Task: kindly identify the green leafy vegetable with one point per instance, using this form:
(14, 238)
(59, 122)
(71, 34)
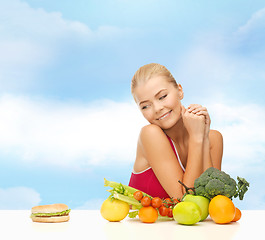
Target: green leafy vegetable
(214, 182)
(242, 187)
(123, 193)
(66, 212)
(129, 200)
(133, 214)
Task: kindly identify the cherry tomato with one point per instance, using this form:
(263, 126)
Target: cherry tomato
(170, 213)
(156, 202)
(138, 195)
(146, 201)
(167, 202)
(163, 211)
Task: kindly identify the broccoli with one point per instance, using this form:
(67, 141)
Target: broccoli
(214, 182)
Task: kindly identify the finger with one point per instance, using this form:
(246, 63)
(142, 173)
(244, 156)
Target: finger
(192, 107)
(198, 110)
(206, 115)
(202, 113)
(201, 109)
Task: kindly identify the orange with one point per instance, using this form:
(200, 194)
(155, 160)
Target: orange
(237, 216)
(148, 214)
(221, 209)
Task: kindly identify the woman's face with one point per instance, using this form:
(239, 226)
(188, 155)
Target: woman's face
(159, 101)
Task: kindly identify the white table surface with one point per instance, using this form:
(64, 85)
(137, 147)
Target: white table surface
(88, 224)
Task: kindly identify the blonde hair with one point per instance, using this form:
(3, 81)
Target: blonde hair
(144, 73)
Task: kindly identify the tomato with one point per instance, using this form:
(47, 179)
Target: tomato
(170, 202)
(146, 201)
(138, 195)
(156, 202)
(163, 211)
(167, 202)
(170, 213)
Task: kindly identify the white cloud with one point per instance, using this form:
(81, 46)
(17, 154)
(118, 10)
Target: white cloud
(16, 198)
(250, 37)
(78, 135)
(68, 134)
(31, 39)
(105, 132)
(220, 66)
(243, 130)
(256, 21)
(38, 24)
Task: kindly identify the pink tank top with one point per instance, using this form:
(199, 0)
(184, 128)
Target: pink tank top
(147, 181)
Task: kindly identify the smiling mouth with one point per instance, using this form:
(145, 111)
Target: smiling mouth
(165, 115)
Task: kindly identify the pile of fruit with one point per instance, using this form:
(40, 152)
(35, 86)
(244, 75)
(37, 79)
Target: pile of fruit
(208, 197)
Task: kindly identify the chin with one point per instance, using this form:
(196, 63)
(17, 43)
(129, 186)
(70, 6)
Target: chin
(166, 126)
(169, 124)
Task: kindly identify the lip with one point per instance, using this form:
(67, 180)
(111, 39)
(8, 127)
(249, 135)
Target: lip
(164, 115)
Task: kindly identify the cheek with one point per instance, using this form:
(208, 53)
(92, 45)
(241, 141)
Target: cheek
(172, 102)
(147, 114)
(175, 104)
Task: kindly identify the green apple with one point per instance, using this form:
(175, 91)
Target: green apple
(201, 201)
(187, 213)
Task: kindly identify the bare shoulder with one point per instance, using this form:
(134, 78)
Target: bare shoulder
(151, 129)
(151, 132)
(215, 137)
(151, 139)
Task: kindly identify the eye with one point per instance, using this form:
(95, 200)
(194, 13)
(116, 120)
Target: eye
(144, 107)
(164, 96)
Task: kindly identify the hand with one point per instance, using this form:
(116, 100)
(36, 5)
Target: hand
(194, 123)
(201, 111)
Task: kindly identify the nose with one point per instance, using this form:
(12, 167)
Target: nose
(158, 107)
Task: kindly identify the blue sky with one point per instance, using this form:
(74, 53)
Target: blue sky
(67, 117)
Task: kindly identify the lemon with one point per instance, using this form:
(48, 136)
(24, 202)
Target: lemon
(114, 210)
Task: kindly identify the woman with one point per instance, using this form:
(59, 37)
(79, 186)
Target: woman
(178, 143)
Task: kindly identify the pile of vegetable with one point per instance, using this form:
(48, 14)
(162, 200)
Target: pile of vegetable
(213, 190)
(148, 208)
(214, 182)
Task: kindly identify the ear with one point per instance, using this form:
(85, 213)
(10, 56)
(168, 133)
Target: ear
(181, 93)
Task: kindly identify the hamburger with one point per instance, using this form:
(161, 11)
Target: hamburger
(52, 213)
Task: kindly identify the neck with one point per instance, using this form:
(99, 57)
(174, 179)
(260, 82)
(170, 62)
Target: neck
(178, 132)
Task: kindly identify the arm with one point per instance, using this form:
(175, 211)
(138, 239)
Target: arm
(207, 158)
(216, 148)
(213, 140)
(195, 126)
(159, 154)
(194, 166)
(157, 151)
